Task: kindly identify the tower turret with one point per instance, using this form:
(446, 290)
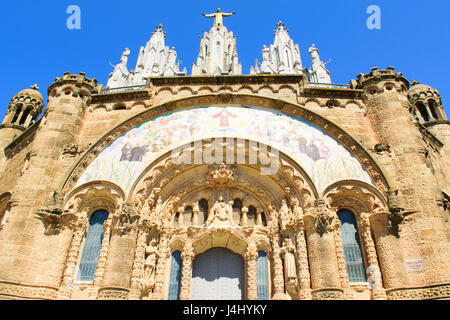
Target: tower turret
(426, 103)
(415, 192)
(23, 110)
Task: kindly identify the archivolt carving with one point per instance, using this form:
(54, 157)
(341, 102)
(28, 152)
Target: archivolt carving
(94, 196)
(355, 195)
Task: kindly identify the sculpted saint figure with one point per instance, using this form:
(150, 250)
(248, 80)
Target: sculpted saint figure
(148, 282)
(289, 261)
(285, 215)
(118, 77)
(296, 208)
(218, 17)
(150, 261)
(221, 212)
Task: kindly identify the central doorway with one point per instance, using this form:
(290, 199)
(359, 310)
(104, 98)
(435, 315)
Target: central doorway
(218, 274)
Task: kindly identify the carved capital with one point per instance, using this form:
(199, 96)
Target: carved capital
(325, 218)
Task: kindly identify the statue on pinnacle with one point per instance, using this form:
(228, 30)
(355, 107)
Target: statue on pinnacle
(218, 17)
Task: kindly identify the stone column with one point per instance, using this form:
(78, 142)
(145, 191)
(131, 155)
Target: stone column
(28, 120)
(244, 222)
(20, 116)
(259, 221)
(187, 257)
(195, 213)
(342, 265)
(72, 258)
(325, 276)
(373, 269)
(138, 265)
(180, 216)
(163, 256)
(389, 250)
(278, 275)
(250, 257)
(303, 264)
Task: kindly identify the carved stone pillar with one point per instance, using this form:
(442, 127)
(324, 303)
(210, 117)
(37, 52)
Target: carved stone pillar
(340, 256)
(251, 255)
(303, 264)
(181, 216)
(325, 279)
(72, 258)
(373, 270)
(278, 276)
(138, 265)
(244, 221)
(19, 117)
(389, 253)
(187, 257)
(163, 256)
(195, 214)
(259, 221)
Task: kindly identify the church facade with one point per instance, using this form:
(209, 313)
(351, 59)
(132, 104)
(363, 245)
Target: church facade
(277, 184)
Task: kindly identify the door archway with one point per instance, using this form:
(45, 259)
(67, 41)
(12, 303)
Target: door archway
(218, 274)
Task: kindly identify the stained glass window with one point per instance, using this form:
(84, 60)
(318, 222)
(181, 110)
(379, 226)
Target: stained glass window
(262, 276)
(352, 247)
(92, 246)
(175, 276)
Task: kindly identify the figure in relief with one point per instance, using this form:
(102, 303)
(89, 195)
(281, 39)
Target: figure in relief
(221, 214)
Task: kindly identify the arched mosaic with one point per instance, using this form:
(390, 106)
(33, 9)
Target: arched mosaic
(321, 156)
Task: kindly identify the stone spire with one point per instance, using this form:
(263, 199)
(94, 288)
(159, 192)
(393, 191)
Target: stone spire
(155, 60)
(218, 53)
(281, 57)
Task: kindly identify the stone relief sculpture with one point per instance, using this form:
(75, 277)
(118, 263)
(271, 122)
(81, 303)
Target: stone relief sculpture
(290, 269)
(221, 214)
(148, 280)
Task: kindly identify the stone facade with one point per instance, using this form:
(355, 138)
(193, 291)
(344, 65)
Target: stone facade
(397, 135)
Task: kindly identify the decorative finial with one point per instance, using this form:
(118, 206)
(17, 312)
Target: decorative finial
(34, 87)
(159, 28)
(280, 26)
(415, 83)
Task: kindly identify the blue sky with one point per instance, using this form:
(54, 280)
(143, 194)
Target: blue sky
(37, 46)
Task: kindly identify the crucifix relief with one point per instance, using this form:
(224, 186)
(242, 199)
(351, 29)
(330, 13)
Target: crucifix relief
(218, 17)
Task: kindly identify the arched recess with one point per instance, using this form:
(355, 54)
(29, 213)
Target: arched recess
(367, 205)
(80, 205)
(356, 196)
(378, 177)
(168, 188)
(92, 196)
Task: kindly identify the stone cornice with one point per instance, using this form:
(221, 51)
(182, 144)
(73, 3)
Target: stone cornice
(120, 96)
(435, 123)
(333, 92)
(24, 138)
(428, 135)
(224, 80)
